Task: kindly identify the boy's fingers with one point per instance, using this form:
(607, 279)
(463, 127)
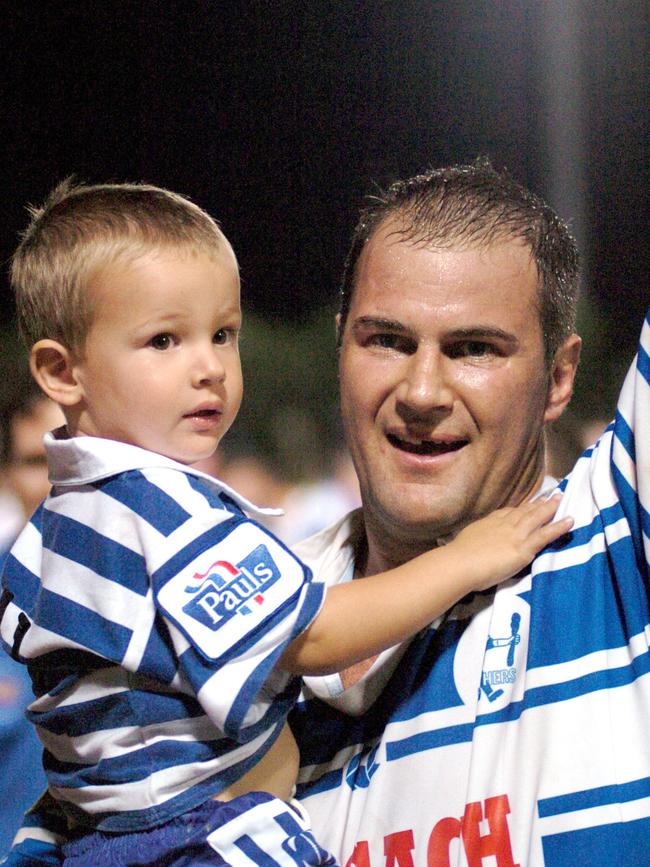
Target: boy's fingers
(552, 531)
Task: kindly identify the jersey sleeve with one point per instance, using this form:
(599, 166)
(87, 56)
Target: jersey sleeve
(631, 451)
(234, 597)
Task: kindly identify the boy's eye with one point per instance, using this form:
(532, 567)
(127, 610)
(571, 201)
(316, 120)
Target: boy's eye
(161, 341)
(221, 336)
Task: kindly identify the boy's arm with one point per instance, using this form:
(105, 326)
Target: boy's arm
(361, 618)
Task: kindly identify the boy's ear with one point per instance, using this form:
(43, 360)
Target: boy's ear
(53, 368)
(562, 376)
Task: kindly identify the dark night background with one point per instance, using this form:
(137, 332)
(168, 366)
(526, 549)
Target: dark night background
(278, 118)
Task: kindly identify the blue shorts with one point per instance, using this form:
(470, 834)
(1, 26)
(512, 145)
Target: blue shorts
(254, 829)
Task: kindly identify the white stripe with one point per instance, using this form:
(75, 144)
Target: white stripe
(81, 585)
(40, 834)
(27, 549)
(593, 817)
(155, 789)
(591, 663)
(111, 743)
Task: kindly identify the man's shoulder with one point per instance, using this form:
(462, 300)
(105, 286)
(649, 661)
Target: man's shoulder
(330, 552)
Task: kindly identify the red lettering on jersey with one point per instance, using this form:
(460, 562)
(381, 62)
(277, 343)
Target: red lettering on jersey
(497, 841)
(398, 848)
(443, 833)
(360, 857)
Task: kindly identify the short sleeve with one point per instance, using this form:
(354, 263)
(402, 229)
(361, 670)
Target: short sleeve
(235, 597)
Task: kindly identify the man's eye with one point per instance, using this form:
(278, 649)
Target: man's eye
(390, 341)
(471, 349)
(161, 341)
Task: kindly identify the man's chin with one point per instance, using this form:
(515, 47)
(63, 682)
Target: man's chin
(414, 523)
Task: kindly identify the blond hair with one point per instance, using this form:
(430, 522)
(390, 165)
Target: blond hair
(80, 229)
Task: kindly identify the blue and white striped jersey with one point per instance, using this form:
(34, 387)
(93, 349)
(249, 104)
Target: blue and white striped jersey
(516, 730)
(151, 612)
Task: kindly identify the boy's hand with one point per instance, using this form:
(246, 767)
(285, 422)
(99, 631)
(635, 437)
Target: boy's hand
(501, 544)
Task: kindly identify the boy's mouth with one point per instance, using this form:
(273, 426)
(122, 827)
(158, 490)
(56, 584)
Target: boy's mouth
(204, 413)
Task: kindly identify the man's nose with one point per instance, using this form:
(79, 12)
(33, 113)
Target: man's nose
(208, 367)
(426, 387)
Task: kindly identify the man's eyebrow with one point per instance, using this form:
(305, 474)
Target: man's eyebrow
(379, 322)
(482, 332)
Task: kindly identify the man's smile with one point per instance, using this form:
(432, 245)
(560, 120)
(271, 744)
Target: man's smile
(426, 446)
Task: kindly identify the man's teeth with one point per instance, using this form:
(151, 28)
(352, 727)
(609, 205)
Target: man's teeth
(426, 447)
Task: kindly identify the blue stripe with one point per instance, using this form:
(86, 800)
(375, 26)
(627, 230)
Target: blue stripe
(69, 619)
(135, 708)
(159, 659)
(620, 844)
(211, 493)
(633, 511)
(147, 500)
(617, 794)
(458, 734)
(536, 697)
(83, 545)
(625, 435)
(22, 583)
(136, 764)
(253, 852)
(193, 550)
(588, 596)
(330, 780)
(580, 536)
(643, 363)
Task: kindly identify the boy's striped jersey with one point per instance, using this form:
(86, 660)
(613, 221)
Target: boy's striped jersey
(516, 730)
(151, 612)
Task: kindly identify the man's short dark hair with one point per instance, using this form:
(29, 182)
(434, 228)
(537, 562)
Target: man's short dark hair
(477, 206)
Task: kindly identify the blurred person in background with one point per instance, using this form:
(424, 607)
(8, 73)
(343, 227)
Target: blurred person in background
(25, 484)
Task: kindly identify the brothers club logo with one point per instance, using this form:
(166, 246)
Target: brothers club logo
(225, 590)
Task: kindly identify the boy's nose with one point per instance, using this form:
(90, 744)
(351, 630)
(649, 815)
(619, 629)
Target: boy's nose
(208, 369)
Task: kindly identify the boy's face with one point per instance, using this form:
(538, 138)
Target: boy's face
(161, 363)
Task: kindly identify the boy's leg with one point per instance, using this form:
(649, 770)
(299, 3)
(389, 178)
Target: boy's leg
(254, 830)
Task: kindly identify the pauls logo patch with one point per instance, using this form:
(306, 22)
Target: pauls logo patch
(225, 590)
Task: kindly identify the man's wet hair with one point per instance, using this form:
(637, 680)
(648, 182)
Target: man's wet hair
(469, 206)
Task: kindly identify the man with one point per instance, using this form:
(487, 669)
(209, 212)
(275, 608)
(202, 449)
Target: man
(514, 731)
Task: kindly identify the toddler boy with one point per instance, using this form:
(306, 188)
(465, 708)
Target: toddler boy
(163, 628)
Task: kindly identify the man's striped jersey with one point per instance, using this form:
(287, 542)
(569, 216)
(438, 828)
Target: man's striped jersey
(516, 730)
(151, 612)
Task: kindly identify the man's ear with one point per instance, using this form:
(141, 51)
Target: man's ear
(562, 376)
(54, 369)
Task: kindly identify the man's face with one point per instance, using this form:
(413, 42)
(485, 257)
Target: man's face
(444, 391)
(27, 465)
